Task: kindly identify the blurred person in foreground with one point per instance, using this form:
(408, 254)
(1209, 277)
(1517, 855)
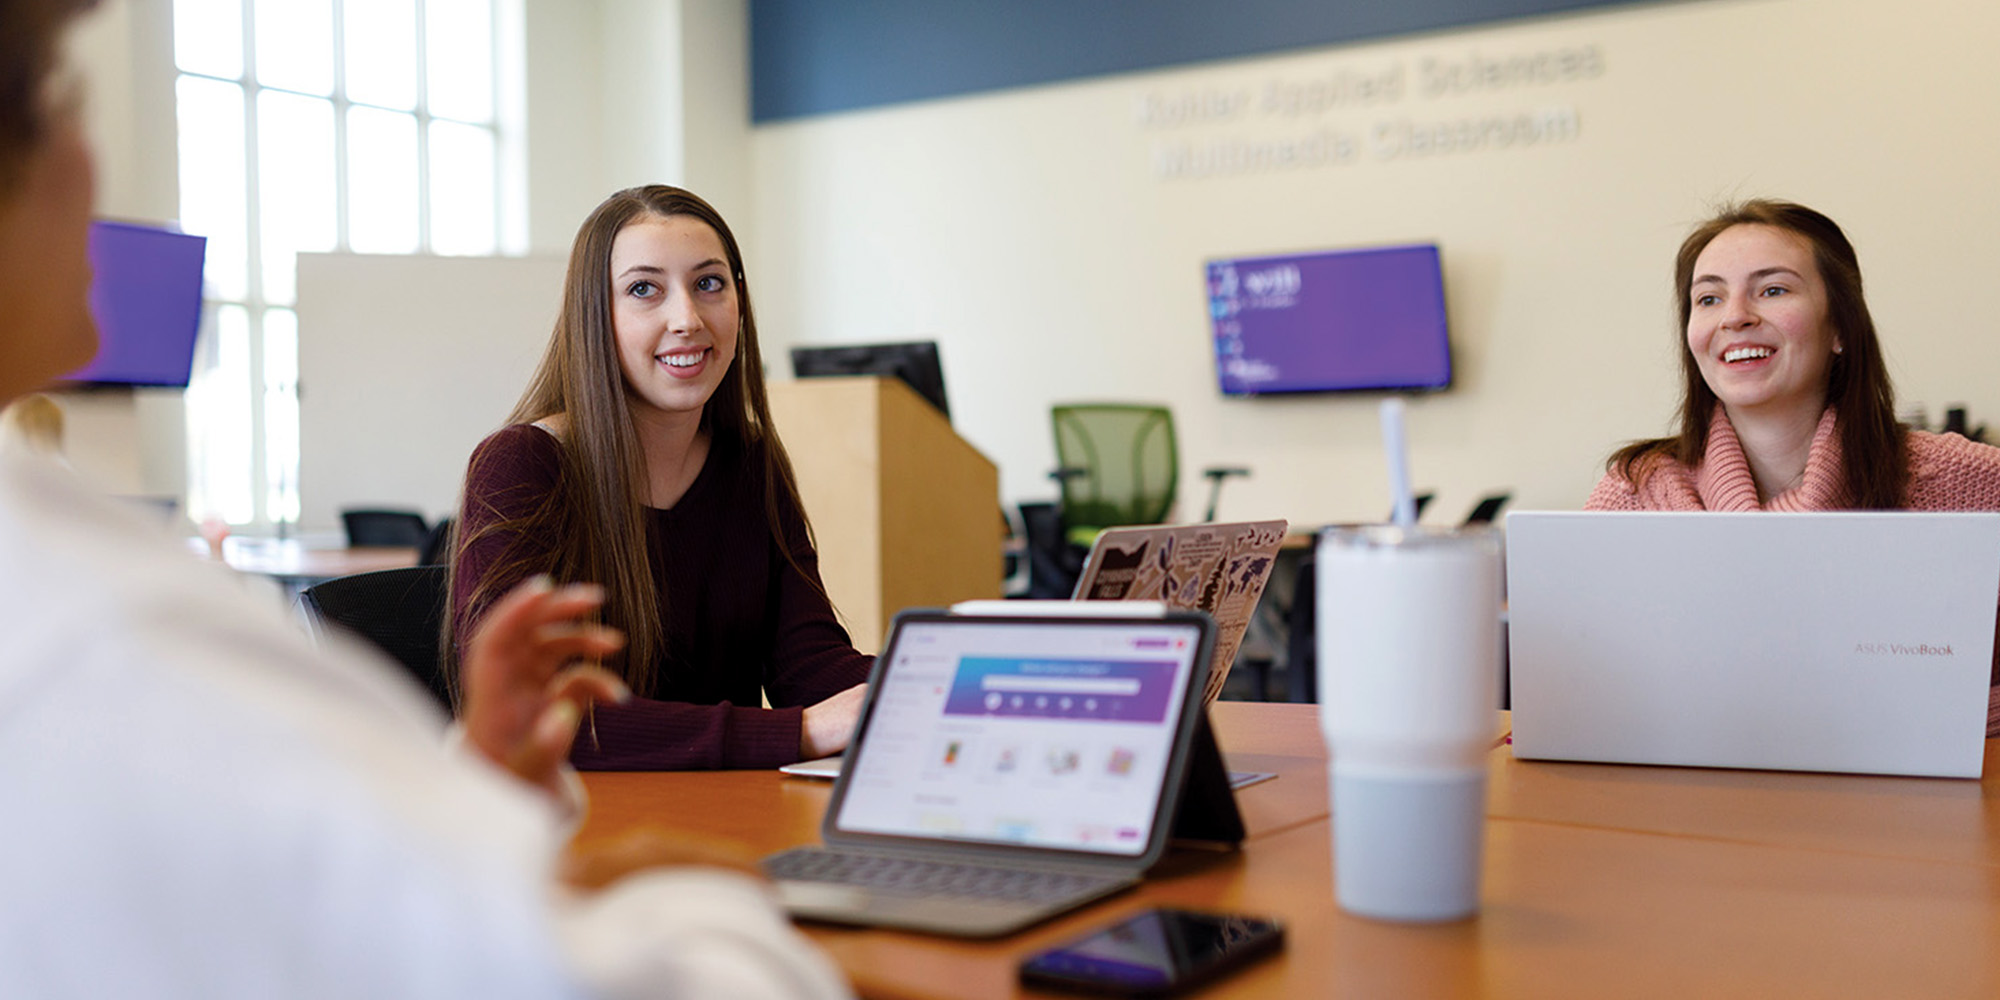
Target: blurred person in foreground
(197, 803)
(32, 424)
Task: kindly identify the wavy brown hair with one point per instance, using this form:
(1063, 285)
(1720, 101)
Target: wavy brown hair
(1876, 466)
(597, 513)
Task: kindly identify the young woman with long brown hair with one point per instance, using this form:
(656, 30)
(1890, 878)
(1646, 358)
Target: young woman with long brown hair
(642, 457)
(1786, 400)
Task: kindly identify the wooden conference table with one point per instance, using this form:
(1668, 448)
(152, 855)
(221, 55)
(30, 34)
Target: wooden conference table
(296, 564)
(1601, 881)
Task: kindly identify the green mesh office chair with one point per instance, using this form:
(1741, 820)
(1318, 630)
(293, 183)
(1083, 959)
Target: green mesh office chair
(1119, 465)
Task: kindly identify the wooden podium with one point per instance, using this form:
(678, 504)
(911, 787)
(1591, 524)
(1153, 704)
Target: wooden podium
(906, 513)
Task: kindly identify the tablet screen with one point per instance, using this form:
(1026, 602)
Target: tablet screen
(1043, 733)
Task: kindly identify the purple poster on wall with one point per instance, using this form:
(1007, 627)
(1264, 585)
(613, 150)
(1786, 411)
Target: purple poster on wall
(1332, 321)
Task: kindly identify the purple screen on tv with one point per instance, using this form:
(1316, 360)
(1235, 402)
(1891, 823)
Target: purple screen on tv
(145, 293)
(1331, 321)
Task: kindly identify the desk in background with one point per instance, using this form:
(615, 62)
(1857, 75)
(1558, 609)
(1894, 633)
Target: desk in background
(296, 565)
(1601, 881)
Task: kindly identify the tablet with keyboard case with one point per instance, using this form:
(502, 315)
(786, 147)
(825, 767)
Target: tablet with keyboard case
(1007, 768)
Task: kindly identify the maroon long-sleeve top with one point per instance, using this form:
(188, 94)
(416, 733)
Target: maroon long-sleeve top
(740, 620)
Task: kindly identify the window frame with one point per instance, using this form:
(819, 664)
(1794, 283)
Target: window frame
(272, 476)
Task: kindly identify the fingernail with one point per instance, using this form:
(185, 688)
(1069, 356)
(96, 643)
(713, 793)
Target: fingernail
(591, 591)
(560, 719)
(622, 693)
(540, 584)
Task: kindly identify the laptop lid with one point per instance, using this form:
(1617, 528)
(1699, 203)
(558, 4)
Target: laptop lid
(1057, 738)
(1218, 568)
(1854, 642)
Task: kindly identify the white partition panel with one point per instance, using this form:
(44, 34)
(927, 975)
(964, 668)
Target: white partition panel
(405, 363)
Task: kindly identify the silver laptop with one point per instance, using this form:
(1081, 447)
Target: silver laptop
(1853, 642)
(1007, 768)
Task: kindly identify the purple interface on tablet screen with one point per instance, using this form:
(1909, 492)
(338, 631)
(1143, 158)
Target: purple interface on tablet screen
(1331, 321)
(145, 293)
(1048, 688)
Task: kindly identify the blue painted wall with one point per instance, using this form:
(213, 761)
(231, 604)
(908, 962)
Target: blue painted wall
(811, 57)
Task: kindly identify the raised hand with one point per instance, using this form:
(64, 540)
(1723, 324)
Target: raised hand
(530, 673)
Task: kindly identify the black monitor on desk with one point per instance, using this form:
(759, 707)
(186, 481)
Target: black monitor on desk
(915, 362)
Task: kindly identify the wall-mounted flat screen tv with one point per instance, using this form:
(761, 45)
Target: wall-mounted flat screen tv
(145, 294)
(1334, 321)
(915, 362)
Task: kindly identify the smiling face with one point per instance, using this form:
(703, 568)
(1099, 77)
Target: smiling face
(1757, 322)
(674, 315)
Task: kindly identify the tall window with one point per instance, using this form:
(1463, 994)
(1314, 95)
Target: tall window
(314, 125)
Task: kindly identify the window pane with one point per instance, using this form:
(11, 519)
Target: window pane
(295, 45)
(458, 36)
(382, 52)
(208, 37)
(218, 400)
(214, 190)
(295, 177)
(381, 181)
(461, 165)
(281, 414)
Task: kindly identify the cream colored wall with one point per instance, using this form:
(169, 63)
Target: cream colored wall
(674, 98)
(715, 68)
(1033, 234)
(565, 117)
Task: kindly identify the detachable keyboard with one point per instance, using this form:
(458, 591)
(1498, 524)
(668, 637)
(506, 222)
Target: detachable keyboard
(920, 877)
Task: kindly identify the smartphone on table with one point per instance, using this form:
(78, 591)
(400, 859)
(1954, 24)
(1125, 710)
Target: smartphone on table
(1154, 953)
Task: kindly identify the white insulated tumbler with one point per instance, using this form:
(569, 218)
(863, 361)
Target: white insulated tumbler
(1409, 660)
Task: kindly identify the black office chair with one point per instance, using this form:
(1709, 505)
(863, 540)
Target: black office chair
(388, 528)
(1054, 562)
(399, 611)
(1301, 637)
(1488, 508)
(436, 550)
(1216, 474)
(1417, 505)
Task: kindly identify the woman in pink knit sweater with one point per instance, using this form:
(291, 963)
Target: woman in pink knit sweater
(1786, 401)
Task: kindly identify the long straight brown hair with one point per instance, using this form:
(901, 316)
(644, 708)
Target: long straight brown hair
(1876, 466)
(597, 513)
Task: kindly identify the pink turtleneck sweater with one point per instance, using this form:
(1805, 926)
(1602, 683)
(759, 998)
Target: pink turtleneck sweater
(1947, 472)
